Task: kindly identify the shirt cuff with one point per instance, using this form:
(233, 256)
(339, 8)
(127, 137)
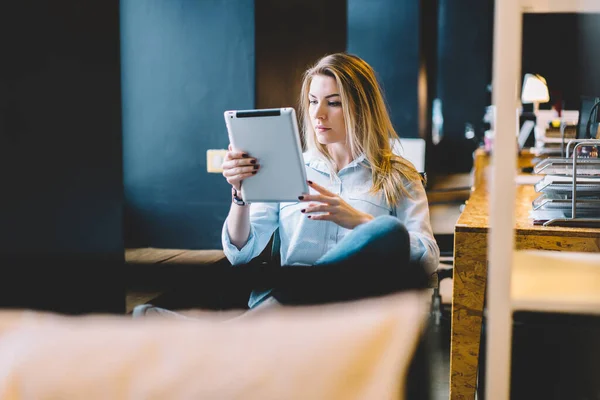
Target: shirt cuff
(234, 255)
(420, 254)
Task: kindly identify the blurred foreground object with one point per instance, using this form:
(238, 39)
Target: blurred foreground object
(355, 350)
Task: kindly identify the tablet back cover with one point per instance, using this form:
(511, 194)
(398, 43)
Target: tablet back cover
(271, 136)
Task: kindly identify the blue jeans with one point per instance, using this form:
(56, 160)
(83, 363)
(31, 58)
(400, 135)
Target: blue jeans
(384, 238)
(373, 259)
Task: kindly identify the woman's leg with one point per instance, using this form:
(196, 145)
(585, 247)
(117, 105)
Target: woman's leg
(373, 259)
(148, 310)
(382, 239)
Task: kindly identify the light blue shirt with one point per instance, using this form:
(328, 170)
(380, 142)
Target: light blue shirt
(304, 241)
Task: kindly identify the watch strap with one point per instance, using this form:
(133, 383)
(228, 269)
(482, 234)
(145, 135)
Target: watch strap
(237, 199)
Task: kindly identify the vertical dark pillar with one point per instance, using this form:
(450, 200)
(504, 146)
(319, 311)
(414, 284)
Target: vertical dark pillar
(589, 56)
(427, 70)
(386, 34)
(61, 243)
(464, 71)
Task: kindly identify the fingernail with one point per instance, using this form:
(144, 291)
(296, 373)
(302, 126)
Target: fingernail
(245, 155)
(309, 182)
(300, 197)
(256, 167)
(303, 210)
(253, 162)
(253, 172)
(308, 216)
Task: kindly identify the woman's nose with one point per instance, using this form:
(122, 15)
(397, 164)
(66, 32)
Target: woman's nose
(319, 111)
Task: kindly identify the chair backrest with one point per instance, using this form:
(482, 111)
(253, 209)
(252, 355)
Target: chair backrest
(413, 149)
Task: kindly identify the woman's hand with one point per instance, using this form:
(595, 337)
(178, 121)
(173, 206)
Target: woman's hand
(238, 166)
(333, 207)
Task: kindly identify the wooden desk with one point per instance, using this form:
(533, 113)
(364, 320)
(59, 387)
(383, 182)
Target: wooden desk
(470, 268)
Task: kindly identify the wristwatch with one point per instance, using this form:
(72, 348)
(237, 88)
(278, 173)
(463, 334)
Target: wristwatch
(237, 200)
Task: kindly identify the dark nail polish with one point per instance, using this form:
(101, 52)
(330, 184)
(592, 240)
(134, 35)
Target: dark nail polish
(309, 216)
(245, 155)
(303, 210)
(256, 167)
(309, 182)
(253, 172)
(253, 162)
(300, 197)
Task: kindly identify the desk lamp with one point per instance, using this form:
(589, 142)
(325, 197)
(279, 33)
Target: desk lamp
(535, 90)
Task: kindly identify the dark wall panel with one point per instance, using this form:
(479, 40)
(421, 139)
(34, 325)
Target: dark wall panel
(60, 155)
(563, 49)
(286, 45)
(588, 58)
(465, 44)
(184, 63)
(386, 34)
(463, 73)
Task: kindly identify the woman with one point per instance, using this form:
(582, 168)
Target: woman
(366, 205)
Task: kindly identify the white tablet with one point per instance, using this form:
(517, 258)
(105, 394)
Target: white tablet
(272, 137)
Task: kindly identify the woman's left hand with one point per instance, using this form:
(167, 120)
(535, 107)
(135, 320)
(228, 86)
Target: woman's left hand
(333, 208)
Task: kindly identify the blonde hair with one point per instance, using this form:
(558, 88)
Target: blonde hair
(369, 130)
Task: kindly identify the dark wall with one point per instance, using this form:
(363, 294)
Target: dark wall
(445, 44)
(286, 45)
(563, 49)
(465, 44)
(386, 34)
(464, 71)
(60, 156)
(184, 63)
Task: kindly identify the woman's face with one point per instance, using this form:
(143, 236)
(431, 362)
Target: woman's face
(326, 110)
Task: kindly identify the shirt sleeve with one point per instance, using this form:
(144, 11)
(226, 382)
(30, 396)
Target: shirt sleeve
(264, 219)
(414, 213)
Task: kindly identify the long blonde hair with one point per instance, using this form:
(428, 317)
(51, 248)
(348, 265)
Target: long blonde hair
(369, 130)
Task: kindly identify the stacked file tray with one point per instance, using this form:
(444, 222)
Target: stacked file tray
(570, 189)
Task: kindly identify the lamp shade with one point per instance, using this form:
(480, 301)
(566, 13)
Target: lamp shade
(535, 89)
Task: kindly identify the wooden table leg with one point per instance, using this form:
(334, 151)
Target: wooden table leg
(470, 274)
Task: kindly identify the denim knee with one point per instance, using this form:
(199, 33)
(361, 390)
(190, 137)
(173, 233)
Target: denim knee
(389, 226)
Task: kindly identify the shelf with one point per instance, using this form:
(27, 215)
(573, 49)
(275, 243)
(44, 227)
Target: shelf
(550, 281)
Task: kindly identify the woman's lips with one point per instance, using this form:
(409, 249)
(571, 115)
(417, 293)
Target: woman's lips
(322, 128)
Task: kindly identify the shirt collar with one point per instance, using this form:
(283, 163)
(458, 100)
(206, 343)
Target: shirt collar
(315, 161)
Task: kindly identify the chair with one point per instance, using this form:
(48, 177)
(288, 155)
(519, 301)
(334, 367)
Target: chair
(446, 197)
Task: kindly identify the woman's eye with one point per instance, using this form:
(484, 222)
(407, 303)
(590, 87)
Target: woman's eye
(334, 103)
(312, 102)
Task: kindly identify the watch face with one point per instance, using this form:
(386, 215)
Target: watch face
(236, 199)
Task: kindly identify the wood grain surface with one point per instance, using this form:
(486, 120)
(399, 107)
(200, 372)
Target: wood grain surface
(470, 265)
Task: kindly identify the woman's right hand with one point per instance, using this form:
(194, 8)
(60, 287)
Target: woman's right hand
(238, 166)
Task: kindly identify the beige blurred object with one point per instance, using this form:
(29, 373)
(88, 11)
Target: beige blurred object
(553, 281)
(355, 350)
(214, 160)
